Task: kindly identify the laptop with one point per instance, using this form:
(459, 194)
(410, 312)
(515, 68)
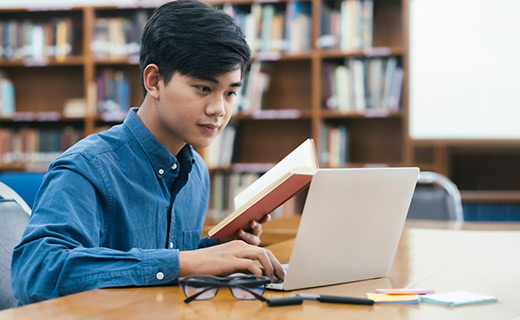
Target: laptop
(350, 226)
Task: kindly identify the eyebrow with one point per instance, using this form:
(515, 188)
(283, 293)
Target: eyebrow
(234, 84)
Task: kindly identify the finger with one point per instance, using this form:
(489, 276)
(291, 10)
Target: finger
(279, 271)
(249, 265)
(256, 254)
(256, 228)
(249, 237)
(265, 218)
(259, 255)
(265, 261)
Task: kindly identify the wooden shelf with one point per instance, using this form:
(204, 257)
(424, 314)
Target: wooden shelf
(28, 167)
(130, 60)
(274, 114)
(371, 165)
(30, 117)
(490, 196)
(246, 2)
(45, 62)
(12, 167)
(372, 52)
(331, 114)
(281, 56)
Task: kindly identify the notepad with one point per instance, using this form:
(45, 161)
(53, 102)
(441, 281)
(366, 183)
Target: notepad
(394, 299)
(457, 298)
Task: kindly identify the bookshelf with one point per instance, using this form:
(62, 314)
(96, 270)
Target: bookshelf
(291, 110)
(293, 106)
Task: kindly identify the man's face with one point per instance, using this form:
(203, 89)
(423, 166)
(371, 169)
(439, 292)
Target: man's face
(193, 110)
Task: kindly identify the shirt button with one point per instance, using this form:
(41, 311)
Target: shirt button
(161, 171)
(174, 166)
(159, 275)
(171, 245)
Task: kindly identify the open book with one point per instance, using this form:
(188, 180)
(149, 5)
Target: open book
(279, 184)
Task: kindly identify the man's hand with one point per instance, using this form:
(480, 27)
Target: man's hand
(252, 236)
(230, 257)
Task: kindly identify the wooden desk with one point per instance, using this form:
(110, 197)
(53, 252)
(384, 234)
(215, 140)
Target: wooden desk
(486, 262)
(285, 228)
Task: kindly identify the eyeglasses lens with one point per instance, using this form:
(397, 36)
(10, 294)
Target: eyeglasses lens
(245, 295)
(240, 293)
(207, 292)
(206, 287)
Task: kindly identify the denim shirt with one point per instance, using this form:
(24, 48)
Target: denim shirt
(114, 210)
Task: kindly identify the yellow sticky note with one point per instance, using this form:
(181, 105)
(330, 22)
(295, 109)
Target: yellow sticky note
(392, 298)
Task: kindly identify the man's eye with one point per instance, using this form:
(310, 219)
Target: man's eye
(204, 89)
(231, 93)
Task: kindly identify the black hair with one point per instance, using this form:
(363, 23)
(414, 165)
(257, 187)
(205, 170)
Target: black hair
(194, 39)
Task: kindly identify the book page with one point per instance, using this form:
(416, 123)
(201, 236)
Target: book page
(302, 158)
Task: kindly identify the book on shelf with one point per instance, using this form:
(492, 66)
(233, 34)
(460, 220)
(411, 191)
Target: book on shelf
(359, 85)
(75, 108)
(334, 145)
(298, 26)
(268, 14)
(224, 186)
(346, 25)
(276, 186)
(220, 152)
(113, 91)
(7, 97)
(251, 94)
(63, 39)
(36, 41)
(343, 89)
(28, 145)
(116, 37)
(275, 27)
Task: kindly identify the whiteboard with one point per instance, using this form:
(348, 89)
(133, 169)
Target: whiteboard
(464, 71)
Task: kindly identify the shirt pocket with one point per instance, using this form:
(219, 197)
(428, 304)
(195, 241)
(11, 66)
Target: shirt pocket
(190, 239)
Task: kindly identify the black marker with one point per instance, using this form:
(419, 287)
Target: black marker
(278, 302)
(337, 299)
(298, 299)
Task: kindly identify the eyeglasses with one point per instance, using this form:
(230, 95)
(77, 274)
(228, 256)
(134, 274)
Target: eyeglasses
(244, 287)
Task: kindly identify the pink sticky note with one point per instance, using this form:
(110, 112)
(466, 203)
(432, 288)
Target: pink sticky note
(405, 291)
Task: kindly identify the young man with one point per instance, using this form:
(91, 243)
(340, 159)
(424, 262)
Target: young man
(126, 207)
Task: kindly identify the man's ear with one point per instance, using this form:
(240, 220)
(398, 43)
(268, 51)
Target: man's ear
(151, 80)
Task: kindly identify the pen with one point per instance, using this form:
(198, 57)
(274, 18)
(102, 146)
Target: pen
(298, 299)
(278, 302)
(336, 299)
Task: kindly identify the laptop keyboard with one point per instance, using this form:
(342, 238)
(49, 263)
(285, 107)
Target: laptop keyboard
(285, 267)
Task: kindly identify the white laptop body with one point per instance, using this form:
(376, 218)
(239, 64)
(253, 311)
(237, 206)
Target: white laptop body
(350, 226)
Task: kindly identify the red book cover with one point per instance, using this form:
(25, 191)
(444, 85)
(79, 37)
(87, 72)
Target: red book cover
(276, 186)
(267, 202)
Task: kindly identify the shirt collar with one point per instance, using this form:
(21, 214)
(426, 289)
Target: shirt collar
(160, 158)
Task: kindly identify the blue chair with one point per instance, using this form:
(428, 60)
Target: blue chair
(14, 213)
(26, 184)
